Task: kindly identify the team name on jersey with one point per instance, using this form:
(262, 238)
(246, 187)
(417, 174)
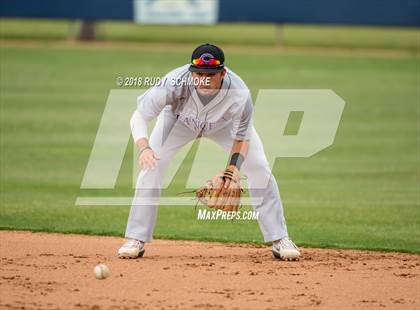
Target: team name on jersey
(196, 123)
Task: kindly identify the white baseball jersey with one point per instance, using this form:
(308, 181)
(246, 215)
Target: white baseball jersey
(232, 104)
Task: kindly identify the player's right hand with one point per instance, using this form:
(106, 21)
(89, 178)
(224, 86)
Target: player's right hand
(148, 159)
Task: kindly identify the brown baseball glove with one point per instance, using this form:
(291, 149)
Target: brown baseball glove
(222, 192)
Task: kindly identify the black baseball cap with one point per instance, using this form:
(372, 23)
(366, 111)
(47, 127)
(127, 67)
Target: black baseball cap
(207, 58)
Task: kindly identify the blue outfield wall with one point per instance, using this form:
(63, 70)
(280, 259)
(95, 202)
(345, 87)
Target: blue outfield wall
(68, 9)
(357, 12)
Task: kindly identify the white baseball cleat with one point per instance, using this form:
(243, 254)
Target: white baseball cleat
(131, 248)
(285, 249)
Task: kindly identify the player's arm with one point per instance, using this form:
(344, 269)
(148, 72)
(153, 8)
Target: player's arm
(238, 154)
(237, 157)
(147, 157)
(149, 105)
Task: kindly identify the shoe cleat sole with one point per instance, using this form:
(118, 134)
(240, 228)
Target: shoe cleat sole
(141, 253)
(290, 259)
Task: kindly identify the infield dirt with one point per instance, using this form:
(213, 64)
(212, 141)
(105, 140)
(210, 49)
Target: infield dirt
(55, 271)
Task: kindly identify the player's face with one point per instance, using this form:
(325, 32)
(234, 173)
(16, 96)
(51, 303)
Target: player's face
(213, 85)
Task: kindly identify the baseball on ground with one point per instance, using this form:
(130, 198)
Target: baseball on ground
(101, 271)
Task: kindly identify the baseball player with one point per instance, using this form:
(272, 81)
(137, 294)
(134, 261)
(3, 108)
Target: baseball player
(220, 108)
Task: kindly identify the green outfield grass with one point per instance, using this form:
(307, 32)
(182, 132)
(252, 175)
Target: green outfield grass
(362, 192)
(225, 34)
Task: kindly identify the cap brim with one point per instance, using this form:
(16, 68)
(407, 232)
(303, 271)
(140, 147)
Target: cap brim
(201, 69)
